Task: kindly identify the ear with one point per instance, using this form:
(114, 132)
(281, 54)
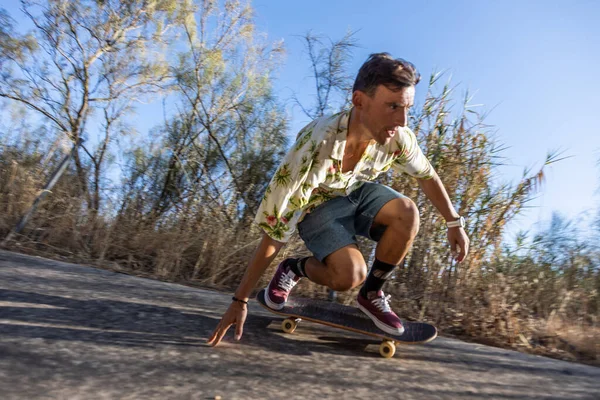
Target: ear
(358, 99)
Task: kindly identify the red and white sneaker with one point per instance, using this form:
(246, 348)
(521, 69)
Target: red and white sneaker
(278, 290)
(378, 309)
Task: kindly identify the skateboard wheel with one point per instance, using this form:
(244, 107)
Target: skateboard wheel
(387, 349)
(289, 325)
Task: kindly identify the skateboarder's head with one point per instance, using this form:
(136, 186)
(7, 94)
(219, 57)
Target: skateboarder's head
(383, 92)
(383, 69)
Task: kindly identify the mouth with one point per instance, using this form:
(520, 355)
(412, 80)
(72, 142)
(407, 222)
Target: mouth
(390, 132)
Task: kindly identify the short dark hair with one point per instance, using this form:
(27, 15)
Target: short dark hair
(383, 69)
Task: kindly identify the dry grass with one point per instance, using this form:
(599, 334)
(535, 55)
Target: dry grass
(485, 318)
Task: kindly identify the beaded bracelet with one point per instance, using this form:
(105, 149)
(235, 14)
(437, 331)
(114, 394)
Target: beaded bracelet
(236, 299)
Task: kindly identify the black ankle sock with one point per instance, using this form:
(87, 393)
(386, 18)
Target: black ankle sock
(380, 272)
(297, 265)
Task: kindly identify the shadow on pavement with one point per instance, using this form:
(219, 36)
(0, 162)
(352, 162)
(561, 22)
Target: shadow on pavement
(122, 323)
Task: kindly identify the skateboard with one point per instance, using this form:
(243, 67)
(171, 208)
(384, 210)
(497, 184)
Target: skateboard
(350, 319)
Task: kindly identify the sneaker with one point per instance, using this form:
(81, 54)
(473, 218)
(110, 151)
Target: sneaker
(378, 309)
(278, 290)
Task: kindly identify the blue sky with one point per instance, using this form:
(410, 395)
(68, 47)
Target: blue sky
(535, 62)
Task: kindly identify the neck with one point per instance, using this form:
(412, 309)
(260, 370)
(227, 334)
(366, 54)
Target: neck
(357, 131)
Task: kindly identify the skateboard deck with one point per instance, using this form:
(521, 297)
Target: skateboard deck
(350, 319)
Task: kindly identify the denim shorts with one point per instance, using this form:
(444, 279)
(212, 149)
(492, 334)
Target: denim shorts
(335, 223)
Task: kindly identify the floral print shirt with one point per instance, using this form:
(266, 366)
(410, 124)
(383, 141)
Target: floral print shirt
(311, 172)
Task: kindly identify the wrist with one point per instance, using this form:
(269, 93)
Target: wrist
(242, 293)
(458, 222)
(243, 304)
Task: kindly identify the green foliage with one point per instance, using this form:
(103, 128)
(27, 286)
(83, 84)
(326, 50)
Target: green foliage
(328, 64)
(86, 59)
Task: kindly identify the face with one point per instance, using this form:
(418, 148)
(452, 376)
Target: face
(384, 111)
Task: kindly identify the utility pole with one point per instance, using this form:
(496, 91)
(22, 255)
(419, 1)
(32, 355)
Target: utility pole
(44, 192)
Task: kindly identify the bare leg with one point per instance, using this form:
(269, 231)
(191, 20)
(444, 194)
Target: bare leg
(402, 220)
(342, 270)
(346, 268)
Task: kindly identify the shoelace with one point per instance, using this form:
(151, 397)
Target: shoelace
(382, 303)
(287, 281)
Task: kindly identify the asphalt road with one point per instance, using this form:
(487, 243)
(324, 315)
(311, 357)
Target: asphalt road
(74, 332)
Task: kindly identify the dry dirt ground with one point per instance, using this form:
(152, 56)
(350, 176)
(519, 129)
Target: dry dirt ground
(74, 332)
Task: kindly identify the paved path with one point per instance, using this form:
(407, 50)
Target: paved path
(75, 332)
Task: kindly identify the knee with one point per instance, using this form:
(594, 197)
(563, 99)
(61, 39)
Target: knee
(408, 217)
(342, 281)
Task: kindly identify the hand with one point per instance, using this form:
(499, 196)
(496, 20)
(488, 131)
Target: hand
(235, 315)
(459, 243)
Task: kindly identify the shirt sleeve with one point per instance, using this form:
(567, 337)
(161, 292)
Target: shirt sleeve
(289, 189)
(409, 157)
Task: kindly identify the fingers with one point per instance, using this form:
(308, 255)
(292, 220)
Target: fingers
(213, 336)
(463, 247)
(233, 316)
(218, 334)
(239, 328)
(459, 244)
(461, 254)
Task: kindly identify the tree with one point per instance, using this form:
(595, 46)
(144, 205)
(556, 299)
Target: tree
(85, 56)
(328, 64)
(220, 148)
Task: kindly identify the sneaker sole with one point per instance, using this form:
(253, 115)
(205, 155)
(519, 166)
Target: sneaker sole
(274, 306)
(378, 323)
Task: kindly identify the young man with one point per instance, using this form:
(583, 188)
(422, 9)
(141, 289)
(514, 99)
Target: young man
(323, 189)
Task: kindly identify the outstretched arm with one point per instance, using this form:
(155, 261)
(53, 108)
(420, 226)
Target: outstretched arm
(436, 192)
(236, 314)
(277, 215)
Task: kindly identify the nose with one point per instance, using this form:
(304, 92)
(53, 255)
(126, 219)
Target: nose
(402, 119)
